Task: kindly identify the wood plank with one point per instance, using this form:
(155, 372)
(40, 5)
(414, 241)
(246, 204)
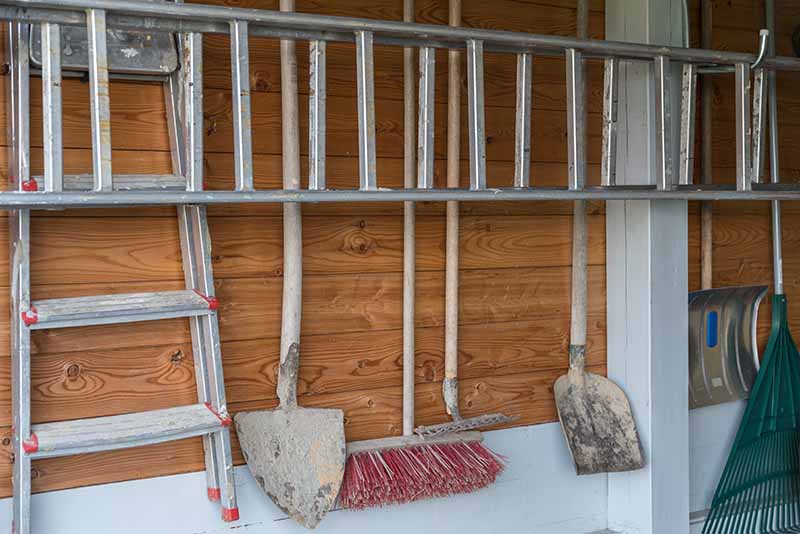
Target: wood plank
(252, 246)
(548, 137)
(250, 307)
(549, 89)
(86, 250)
(749, 15)
(78, 385)
(528, 395)
(343, 174)
(138, 119)
(388, 9)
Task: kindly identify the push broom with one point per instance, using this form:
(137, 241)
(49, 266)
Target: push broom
(759, 491)
(444, 462)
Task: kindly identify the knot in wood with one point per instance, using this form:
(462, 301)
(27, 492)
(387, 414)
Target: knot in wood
(73, 370)
(177, 357)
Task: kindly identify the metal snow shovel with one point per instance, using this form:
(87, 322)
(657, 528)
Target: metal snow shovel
(295, 454)
(595, 414)
(723, 354)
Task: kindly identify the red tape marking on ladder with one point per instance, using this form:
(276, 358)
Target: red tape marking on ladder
(213, 494)
(31, 444)
(30, 317)
(230, 514)
(225, 420)
(30, 185)
(213, 302)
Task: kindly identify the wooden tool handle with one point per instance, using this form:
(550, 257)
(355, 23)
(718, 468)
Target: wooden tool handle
(287, 377)
(409, 229)
(292, 216)
(450, 383)
(579, 285)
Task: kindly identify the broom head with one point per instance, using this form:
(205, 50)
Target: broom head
(401, 470)
(759, 491)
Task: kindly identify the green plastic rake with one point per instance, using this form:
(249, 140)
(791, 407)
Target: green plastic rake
(759, 491)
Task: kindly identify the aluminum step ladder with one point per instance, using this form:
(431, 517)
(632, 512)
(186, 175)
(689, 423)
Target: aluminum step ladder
(208, 417)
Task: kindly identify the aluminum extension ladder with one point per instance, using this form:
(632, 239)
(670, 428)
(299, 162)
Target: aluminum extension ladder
(209, 417)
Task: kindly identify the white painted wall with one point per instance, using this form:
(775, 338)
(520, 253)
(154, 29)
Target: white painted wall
(711, 433)
(538, 490)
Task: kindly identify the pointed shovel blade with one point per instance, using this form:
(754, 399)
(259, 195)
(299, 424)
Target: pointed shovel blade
(297, 456)
(597, 421)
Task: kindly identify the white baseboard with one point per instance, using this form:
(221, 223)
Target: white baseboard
(537, 494)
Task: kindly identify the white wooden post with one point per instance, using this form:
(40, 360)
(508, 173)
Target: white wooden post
(647, 290)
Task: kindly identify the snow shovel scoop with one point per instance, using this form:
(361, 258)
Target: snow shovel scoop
(295, 454)
(595, 414)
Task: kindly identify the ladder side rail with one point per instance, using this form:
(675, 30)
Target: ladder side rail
(316, 114)
(188, 257)
(201, 248)
(688, 120)
(663, 79)
(99, 100)
(166, 16)
(760, 81)
(216, 381)
(608, 154)
(365, 76)
(192, 69)
(240, 86)
(427, 105)
(744, 166)
(19, 274)
(576, 120)
(475, 114)
(522, 127)
(51, 108)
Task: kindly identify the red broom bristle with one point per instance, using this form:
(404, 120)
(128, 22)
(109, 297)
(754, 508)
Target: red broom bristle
(395, 476)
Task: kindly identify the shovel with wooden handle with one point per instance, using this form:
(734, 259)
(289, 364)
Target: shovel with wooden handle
(295, 454)
(594, 412)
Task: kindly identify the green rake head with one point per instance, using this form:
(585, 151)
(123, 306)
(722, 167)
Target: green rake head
(759, 491)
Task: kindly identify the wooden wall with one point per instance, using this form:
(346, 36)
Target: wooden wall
(742, 235)
(515, 258)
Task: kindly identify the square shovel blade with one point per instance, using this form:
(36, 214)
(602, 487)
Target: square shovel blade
(297, 456)
(598, 424)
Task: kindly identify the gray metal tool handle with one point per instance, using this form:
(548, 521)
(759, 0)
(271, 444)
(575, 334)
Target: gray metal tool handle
(287, 377)
(777, 253)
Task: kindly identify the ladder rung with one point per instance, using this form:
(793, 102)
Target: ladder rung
(121, 431)
(122, 308)
(122, 182)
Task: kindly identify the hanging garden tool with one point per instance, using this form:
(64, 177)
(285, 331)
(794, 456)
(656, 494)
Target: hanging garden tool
(412, 467)
(296, 454)
(758, 492)
(594, 412)
(450, 382)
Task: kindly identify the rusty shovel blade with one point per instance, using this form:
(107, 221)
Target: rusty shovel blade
(297, 456)
(598, 424)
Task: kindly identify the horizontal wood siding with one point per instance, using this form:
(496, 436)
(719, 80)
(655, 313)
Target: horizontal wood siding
(515, 257)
